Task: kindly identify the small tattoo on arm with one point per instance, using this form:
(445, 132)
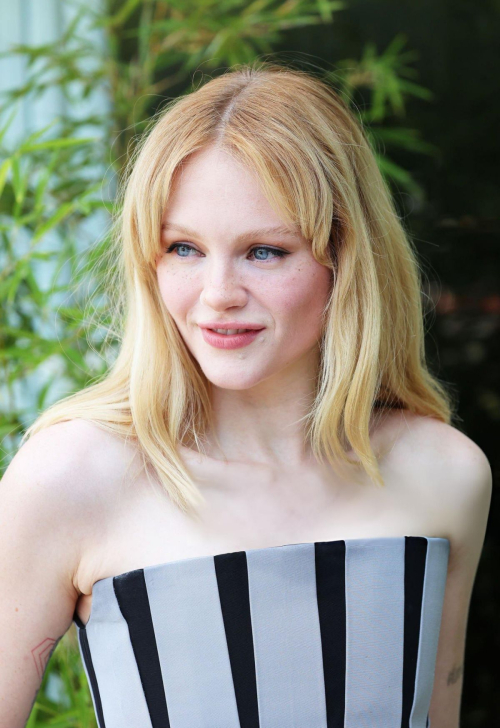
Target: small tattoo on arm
(42, 652)
(455, 674)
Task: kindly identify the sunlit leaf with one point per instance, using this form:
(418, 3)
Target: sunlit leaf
(63, 212)
(58, 143)
(4, 171)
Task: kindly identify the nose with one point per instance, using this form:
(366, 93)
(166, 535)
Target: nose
(223, 286)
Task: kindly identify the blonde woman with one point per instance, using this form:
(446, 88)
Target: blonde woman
(262, 516)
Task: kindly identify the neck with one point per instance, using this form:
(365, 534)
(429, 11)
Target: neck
(264, 424)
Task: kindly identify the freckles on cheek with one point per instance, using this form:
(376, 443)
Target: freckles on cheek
(304, 293)
(176, 292)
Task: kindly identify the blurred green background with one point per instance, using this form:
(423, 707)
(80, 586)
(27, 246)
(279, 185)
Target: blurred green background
(78, 84)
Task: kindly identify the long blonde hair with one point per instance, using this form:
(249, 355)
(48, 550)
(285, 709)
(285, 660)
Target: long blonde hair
(318, 170)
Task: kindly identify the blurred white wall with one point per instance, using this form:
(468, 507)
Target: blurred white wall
(31, 22)
(36, 22)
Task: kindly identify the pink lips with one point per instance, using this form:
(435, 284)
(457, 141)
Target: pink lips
(230, 341)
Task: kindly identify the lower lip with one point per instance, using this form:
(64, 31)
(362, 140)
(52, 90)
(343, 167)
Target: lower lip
(229, 341)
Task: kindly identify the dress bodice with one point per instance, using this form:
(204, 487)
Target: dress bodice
(328, 634)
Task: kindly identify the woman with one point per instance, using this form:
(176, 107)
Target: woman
(262, 515)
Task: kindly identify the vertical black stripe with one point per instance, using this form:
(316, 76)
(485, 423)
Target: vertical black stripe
(132, 596)
(84, 644)
(415, 555)
(330, 587)
(232, 579)
(427, 721)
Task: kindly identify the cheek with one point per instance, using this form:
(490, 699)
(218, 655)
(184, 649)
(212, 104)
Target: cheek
(300, 301)
(176, 290)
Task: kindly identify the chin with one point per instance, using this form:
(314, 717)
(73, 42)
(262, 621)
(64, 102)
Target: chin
(234, 383)
(235, 379)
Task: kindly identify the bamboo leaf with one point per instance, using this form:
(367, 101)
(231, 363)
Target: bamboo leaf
(122, 15)
(17, 182)
(63, 212)
(60, 143)
(4, 128)
(35, 135)
(11, 285)
(4, 171)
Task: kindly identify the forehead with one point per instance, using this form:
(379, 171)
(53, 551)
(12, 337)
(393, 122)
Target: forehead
(214, 173)
(272, 230)
(213, 192)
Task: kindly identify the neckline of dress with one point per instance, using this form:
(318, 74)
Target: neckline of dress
(164, 564)
(264, 548)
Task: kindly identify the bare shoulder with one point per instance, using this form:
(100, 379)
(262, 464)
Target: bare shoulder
(72, 470)
(439, 451)
(76, 456)
(439, 440)
(450, 472)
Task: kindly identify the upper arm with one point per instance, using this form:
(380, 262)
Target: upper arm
(39, 551)
(468, 487)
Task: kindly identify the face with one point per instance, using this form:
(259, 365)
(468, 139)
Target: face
(242, 287)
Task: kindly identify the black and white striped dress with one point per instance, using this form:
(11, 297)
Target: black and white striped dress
(330, 634)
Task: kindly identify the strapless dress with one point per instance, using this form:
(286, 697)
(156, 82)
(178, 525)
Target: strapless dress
(326, 634)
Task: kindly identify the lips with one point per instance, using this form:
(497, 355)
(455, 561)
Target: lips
(230, 335)
(231, 327)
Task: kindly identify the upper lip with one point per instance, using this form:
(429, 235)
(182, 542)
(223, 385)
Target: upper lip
(229, 325)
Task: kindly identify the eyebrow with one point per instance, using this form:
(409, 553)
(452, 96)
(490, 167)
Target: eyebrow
(244, 237)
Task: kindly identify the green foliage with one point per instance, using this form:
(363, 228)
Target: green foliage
(45, 199)
(385, 76)
(63, 700)
(52, 185)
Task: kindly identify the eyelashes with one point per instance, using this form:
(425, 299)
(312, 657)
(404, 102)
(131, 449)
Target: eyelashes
(176, 246)
(275, 252)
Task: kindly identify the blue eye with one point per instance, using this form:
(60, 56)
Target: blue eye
(182, 249)
(261, 252)
(264, 249)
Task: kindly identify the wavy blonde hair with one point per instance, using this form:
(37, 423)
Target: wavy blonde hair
(318, 170)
